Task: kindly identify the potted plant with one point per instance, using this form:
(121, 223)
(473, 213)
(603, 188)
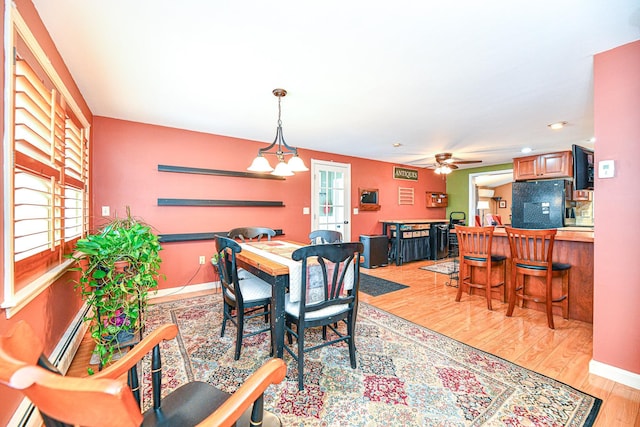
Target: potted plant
(118, 266)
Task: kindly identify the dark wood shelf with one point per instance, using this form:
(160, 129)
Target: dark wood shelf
(201, 171)
(219, 203)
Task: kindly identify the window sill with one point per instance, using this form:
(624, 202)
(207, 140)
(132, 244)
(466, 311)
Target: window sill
(16, 302)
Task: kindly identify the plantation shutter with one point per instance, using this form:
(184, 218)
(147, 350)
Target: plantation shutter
(50, 171)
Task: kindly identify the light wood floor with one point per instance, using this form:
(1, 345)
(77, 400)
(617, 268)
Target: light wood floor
(525, 339)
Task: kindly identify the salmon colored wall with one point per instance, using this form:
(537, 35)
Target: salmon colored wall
(126, 156)
(616, 317)
(52, 311)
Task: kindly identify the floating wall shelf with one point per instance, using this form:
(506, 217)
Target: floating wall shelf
(219, 203)
(201, 171)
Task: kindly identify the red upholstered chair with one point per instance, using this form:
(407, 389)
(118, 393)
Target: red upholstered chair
(105, 399)
(475, 251)
(532, 255)
(493, 219)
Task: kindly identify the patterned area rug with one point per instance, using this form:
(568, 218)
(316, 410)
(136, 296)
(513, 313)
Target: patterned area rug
(407, 375)
(447, 267)
(376, 286)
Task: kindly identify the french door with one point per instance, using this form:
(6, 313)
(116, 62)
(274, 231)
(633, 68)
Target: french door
(331, 197)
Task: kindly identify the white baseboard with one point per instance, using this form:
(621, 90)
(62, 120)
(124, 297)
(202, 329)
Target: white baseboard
(207, 286)
(26, 415)
(618, 375)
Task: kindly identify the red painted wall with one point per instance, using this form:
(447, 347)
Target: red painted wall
(52, 311)
(126, 156)
(616, 319)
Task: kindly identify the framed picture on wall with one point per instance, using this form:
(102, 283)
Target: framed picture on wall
(502, 204)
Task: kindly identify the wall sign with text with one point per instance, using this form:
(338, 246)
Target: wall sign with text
(404, 173)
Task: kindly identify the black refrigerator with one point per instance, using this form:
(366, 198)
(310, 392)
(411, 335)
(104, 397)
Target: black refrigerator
(538, 204)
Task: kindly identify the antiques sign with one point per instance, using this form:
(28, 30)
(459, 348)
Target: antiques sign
(404, 173)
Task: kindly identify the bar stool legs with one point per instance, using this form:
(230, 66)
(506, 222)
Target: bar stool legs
(531, 255)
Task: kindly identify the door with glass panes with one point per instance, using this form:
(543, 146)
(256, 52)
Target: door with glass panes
(331, 197)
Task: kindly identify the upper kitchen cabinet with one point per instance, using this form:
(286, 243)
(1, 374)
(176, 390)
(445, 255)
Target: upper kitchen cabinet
(541, 166)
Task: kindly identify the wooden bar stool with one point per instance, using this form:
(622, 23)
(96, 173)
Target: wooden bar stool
(475, 251)
(532, 255)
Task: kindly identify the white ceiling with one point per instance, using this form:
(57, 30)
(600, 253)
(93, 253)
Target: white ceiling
(480, 79)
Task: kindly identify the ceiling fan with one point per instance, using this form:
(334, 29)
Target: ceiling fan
(445, 163)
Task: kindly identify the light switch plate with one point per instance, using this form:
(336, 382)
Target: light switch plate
(606, 169)
(106, 211)
(305, 211)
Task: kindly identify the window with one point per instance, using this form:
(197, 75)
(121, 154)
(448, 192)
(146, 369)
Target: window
(46, 149)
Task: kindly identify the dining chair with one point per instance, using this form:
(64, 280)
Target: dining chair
(532, 256)
(475, 252)
(325, 236)
(106, 400)
(330, 278)
(250, 233)
(244, 295)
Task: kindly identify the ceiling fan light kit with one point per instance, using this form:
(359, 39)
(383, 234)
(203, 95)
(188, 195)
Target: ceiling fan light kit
(446, 163)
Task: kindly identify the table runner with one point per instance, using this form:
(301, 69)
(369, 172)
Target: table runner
(280, 252)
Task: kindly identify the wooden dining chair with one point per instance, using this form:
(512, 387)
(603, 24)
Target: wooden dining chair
(245, 297)
(328, 296)
(325, 236)
(250, 233)
(475, 252)
(532, 256)
(105, 399)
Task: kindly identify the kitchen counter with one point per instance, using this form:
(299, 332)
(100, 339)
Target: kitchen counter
(570, 234)
(572, 247)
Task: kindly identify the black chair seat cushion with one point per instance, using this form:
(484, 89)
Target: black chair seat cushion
(186, 406)
(494, 258)
(556, 266)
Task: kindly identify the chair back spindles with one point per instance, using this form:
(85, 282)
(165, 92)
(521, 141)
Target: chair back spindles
(475, 252)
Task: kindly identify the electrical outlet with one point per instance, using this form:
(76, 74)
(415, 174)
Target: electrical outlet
(201, 259)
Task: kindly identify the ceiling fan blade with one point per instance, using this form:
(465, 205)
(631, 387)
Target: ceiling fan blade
(465, 162)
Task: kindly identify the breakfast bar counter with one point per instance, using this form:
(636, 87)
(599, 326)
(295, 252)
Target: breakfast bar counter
(573, 245)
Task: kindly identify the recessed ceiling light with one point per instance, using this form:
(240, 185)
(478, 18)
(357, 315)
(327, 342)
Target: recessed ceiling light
(526, 150)
(397, 144)
(557, 125)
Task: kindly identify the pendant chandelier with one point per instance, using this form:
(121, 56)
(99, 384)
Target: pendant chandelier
(295, 163)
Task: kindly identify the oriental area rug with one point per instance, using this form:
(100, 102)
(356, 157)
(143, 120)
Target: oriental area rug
(406, 375)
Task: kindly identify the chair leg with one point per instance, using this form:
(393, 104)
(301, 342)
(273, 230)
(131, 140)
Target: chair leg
(239, 332)
(488, 288)
(225, 316)
(565, 292)
(300, 357)
(512, 292)
(462, 273)
(352, 345)
(549, 301)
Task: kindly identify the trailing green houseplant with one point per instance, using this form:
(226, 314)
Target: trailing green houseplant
(118, 266)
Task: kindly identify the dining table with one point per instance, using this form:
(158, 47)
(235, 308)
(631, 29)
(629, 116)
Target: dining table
(271, 261)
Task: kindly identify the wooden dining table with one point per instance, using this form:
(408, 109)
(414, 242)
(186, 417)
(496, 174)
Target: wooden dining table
(276, 274)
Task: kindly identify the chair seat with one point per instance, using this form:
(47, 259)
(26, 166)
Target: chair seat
(556, 266)
(186, 406)
(494, 258)
(252, 288)
(293, 309)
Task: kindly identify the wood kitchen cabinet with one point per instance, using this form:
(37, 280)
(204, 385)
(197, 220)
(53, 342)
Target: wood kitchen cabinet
(541, 166)
(437, 200)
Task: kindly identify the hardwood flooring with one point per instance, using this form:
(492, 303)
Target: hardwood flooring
(524, 339)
